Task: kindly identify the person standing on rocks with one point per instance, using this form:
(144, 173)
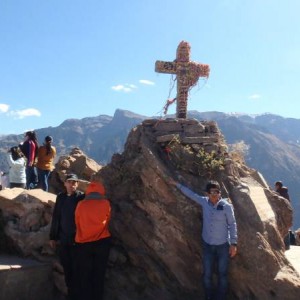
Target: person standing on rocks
(219, 236)
(93, 239)
(45, 157)
(284, 192)
(17, 166)
(30, 148)
(63, 229)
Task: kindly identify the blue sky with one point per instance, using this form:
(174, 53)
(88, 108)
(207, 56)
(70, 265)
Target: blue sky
(62, 59)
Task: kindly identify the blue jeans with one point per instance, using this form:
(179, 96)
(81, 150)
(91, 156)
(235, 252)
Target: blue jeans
(31, 177)
(215, 254)
(43, 179)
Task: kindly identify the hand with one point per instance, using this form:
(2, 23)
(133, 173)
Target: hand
(232, 251)
(52, 244)
(171, 181)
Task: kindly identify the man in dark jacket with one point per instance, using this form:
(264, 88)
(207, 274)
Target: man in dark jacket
(283, 192)
(63, 227)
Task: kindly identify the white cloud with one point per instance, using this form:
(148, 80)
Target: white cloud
(4, 108)
(21, 114)
(254, 97)
(147, 82)
(126, 88)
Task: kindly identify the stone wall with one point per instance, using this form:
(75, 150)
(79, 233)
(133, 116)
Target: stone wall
(188, 131)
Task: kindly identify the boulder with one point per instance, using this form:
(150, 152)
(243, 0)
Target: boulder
(26, 215)
(157, 231)
(25, 218)
(76, 162)
(26, 279)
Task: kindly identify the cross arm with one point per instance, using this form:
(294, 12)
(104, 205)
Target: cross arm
(165, 67)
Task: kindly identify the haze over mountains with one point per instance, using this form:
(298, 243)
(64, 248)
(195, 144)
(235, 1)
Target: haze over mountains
(274, 142)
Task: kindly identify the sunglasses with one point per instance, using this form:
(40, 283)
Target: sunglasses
(216, 192)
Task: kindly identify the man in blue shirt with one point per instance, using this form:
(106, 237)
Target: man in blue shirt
(219, 236)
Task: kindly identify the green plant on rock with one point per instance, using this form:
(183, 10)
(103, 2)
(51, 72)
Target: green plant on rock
(208, 164)
(174, 151)
(200, 162)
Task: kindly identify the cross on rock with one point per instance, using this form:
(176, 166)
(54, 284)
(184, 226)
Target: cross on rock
(187, 72)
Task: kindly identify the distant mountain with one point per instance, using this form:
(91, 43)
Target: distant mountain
(273, 140)
(99, 137)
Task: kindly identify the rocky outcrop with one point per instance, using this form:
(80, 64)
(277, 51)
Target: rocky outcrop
(26, 215)
(157, 231)
(156, 251)
(272, 142)
(25, 218)
(26, 279)
(76, 162)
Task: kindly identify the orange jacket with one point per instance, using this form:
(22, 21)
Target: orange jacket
(92, 215)
(45, 162)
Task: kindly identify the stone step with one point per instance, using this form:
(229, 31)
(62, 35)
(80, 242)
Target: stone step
(25, 279)
(261, 203)
(293, 256)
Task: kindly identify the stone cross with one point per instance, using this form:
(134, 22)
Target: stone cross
(187, 72)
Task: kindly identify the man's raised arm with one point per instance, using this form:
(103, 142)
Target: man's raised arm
(188, 192)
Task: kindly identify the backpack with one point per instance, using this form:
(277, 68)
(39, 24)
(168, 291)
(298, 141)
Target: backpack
(92, 215)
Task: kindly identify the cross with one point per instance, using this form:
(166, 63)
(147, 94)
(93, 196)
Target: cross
(187, 72)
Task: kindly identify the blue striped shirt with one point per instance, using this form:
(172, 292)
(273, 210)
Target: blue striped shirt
(219, 224)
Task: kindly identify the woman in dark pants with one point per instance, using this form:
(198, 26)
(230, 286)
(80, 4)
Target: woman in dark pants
(30, 150)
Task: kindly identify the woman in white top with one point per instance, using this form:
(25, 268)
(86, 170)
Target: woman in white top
(17, 171)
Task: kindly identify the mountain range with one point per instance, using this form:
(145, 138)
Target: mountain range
(273, 142)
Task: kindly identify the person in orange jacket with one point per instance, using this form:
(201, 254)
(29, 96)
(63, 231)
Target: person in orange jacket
(45, 158)
(92, 216)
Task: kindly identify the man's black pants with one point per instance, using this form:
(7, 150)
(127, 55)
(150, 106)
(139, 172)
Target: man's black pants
(66, 255)
(90, 262)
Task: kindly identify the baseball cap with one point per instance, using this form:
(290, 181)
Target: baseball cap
(71, 177)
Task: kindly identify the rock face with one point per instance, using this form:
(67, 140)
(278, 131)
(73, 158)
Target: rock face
(24, 231)
(26, 214)
(157, 231)
(25, 218)
(26, 279)
(156, 251)
(76, 162)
